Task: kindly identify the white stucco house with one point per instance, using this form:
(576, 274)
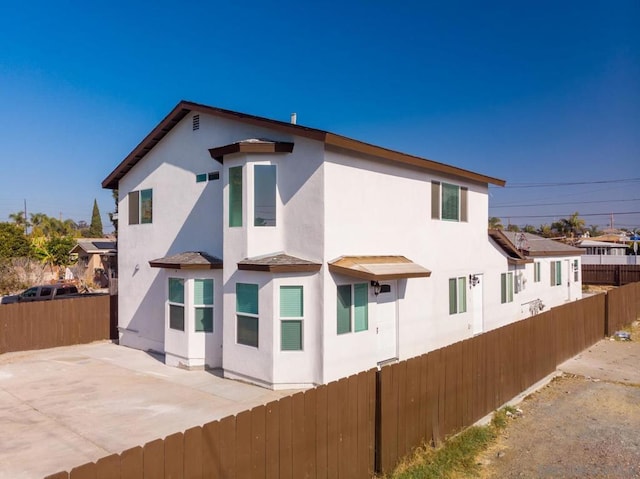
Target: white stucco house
(290, 256)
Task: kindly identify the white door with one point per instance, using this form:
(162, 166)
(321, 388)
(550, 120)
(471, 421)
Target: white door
(387, 322)
(476, 303)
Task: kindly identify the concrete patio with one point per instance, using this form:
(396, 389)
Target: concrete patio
(63, 407)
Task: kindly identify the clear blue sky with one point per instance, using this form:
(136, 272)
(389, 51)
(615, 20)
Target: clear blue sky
(531, 92)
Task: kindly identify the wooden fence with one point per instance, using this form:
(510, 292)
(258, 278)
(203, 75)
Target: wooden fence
(610, 274)
(366, 423)
(434, 395)
(62, 322)
(622, 308)
(325, 433)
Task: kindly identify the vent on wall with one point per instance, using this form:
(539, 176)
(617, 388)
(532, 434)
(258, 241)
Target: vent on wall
(196, 122)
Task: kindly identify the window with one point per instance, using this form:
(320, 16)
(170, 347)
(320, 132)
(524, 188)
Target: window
(449, 202)
(140, 207)
(264, 197)
(203, 302)
(353, 308)
(247, 313)
(204, 177)
(506, 288)
(235, 196)
(536, 272)
(291, 308)
(457, 295)
(556, 273)
(576, 270)
(176, 304)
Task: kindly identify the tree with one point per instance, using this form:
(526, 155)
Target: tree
(545, 231)
(594, 230)
(54, 252)
(95, 230)
(495, 223)
(514, 228)
(529, 229)
(575, 224)
(13, 242)
(20, 220)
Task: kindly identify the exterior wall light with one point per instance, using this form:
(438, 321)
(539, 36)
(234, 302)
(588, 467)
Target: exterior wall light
(376, 287)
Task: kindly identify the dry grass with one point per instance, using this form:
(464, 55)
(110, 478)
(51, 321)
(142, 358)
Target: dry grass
(457, 456)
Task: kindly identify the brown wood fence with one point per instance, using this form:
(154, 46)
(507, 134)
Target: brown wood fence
(623, 307)
(434, 395)
(610, 274)
(62, 322)
(324, 433)
(368, 422)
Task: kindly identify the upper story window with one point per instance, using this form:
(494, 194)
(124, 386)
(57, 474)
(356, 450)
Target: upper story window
(449, 202)
(264, 197)
(235, 196)
(140, 207)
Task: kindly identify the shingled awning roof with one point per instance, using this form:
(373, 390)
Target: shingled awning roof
(188, 260)
(378, 268)
(279, 263)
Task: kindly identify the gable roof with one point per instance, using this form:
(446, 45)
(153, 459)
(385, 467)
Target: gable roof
(183, 108)
(534, 245)
(95, 246)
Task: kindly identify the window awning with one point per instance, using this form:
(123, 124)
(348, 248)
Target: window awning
(188, 260)
(378, 268)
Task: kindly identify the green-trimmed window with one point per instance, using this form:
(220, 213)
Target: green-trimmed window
(291, 318)
(457, 295)
(506, 288)
(140, 207)
(449, 202)
(176, 304)
(247, 314)
(264, 195)
(235, 196)
(556, 273)
(576, 270)
(203, 303)
(352, 308)
(536, 272)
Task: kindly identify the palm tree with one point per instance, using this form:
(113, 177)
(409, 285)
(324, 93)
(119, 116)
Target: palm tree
(19, 219)
(495, 223)
(575, 224)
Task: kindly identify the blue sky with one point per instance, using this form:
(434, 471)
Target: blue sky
(531, 92)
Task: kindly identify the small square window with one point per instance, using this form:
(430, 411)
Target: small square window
(202, 177)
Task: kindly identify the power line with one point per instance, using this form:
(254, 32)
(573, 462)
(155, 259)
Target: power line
(559, 204)
(588, 214)
(567, 183)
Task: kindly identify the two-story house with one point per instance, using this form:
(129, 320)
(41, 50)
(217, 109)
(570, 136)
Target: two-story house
(290, 256)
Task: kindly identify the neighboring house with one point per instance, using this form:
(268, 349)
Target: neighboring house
(290, 256)
(603, 252)
(545, 272)
(98, 258)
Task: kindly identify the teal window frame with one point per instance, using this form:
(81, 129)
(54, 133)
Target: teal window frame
(175, 301)
(458, 295)
(235, 196)
(506, 288)
(264, 195)
(556, 273)
(203, 304)
(576, 270)
(450, 202)
(247, 307)
(352, 308)
(291, 318)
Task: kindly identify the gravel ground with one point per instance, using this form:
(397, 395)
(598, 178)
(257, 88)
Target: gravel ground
(584, 425)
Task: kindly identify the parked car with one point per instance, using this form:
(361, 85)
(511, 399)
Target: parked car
(43, 292)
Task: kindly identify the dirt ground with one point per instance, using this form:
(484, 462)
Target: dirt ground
(584, 424)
